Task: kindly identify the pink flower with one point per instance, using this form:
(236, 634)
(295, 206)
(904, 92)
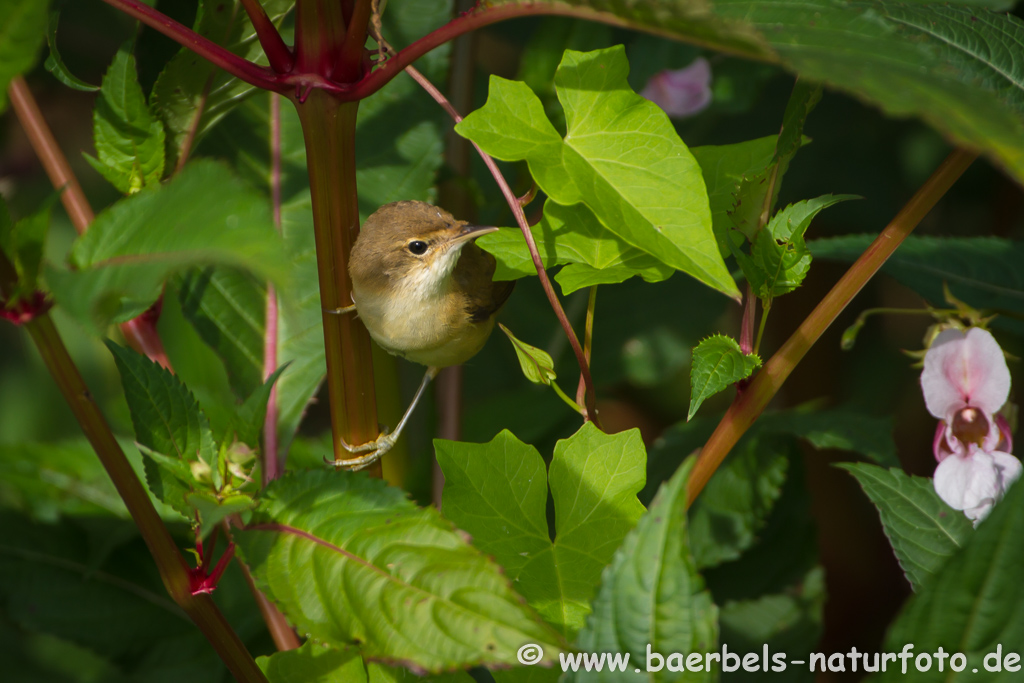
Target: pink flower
(965, 381)
(683, 92)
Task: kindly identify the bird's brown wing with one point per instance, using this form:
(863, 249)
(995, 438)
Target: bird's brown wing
(473, 275)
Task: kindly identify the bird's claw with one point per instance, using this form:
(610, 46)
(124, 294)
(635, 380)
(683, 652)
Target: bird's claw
(373, 450)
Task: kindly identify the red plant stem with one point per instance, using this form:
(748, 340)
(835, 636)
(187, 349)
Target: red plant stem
(280, 631)
(749, 318)
(350, 61)
(50, 154)
(169, 561)
(517, 211)
(141, 332)
(280, 57)
(749, 404)
(204, 47)
(329, 128)
(273, 462)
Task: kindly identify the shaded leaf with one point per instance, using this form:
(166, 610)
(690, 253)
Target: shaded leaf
(974, 604)
(837, 428)
(203, 216)
(652, 596)
(167, 421)
(313, 663)
(54, 63)
(924, 532)
(22, 32)
(336, 551)
(717, 363)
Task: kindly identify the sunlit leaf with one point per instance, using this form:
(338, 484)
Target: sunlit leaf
(718, 363)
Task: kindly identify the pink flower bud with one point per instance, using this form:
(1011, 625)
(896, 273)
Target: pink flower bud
(683, 92)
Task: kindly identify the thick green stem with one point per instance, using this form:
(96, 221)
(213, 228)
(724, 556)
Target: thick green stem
(329, 128)
(750, 402)
(169, 561)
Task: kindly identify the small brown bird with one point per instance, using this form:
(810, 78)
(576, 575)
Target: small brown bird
(424, 291)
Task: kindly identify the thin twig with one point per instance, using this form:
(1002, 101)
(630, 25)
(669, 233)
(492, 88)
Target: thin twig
(749, 404)
(517, 211)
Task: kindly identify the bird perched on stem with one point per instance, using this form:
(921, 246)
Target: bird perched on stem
(424, 291)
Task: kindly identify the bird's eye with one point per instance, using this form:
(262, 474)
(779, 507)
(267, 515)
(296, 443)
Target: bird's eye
(417, 247)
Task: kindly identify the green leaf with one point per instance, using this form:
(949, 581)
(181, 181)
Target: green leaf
(55, 65)
(788, 622)
(973, 605)
(253, 412)
(227, 307)
(621, 157)
(498, 491)
(204, 215)
(837, 428)
(23, 242)
(924, 532)
(779, 258)
(652, 596)
(167, 421)
(22, 31)
(981, 271)
(313, 663)
(78, 580)
(536, 364)
(736, 502)
(337, 551)
(191, 95)
(129, 139)
(951, 66)
(723, 168)
(381, 673)
(717, 363)
(212, 509)
(571, 235)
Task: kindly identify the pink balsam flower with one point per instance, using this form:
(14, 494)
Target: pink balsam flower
(683, 92)
(965, 381)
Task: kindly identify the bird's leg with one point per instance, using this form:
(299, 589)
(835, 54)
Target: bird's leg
(386, 441)
(340, 311)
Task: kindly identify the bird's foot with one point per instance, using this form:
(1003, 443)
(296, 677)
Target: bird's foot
(372, 450)
(340, 311)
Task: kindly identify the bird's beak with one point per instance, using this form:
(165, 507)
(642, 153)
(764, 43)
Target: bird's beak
(470, 232)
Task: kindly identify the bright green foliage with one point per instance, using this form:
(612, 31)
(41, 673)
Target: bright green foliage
(717, 363)
(203, 216)
(536, 363)
(788, 622)
(779, 258)
(313, 663)
(735, 504)
(652, 594)
(168, 422)
(251, 414)
(973, 604)
(620, 157)
(497, 492)
(923, 530)
(129, 139)
(55, 65)
(352, 561)
(23, 243)
(572, 236)
(724, 167)
(22, 27)
(191, 95)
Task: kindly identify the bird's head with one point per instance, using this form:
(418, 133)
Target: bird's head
(409, 245)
